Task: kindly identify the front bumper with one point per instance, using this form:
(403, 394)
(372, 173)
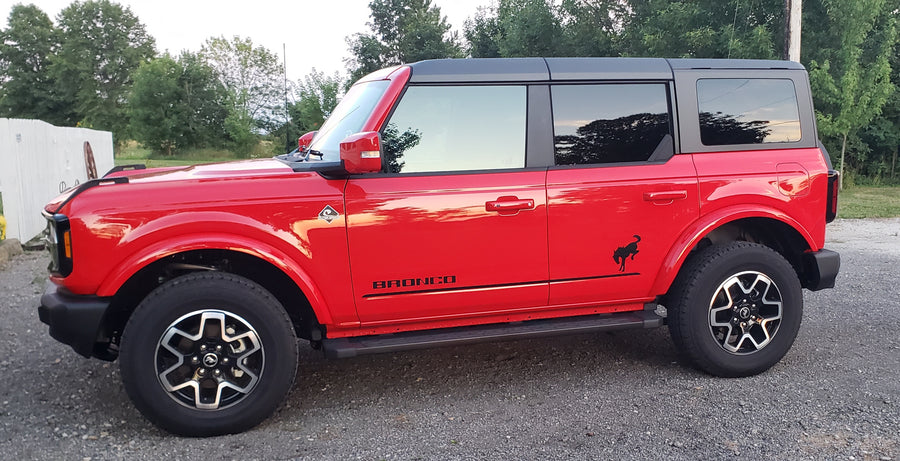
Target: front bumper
(821, 269)
(74, 320)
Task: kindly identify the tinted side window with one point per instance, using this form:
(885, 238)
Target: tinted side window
(611, 123)
(453, 128)
(747, 111)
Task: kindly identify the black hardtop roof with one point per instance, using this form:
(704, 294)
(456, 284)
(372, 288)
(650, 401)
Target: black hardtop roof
(562, 69)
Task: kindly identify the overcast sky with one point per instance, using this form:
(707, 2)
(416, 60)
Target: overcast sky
(312, 31)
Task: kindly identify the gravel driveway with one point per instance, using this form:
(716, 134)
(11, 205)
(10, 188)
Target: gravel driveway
(623, 395)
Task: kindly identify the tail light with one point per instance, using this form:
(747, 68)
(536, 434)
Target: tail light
(831, 203)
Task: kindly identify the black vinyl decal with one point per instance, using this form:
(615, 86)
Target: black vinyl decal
(413, 282)
(622, 253)
(479, 287)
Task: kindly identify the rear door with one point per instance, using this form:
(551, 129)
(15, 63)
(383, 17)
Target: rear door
(618, 197)
(456, 224)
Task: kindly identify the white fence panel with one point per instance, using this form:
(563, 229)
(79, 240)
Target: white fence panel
(37, 161)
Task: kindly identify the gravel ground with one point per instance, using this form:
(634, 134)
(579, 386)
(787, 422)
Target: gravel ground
(623, 395)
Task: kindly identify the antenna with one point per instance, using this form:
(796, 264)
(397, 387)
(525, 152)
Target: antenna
(287, 114)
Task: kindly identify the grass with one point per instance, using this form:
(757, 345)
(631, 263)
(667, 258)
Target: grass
(133, 153)
(869, 202)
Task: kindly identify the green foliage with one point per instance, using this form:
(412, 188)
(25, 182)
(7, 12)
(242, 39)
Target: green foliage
(26, 46)
(156, 116)
(177, 104)
(516, 28)
(529, 28)
(697, 28)
(101, 44)
(401, 31)
(850, 74)
(483, 34)
(253, 77)
(205, 99)
(704, 29)
(317, 97)
(239, 127)
(591, 27)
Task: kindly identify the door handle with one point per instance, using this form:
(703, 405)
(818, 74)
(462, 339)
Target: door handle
(667, 196)
(509, 205)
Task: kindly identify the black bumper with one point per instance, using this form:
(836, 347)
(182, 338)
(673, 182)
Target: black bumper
(821, 269)
(74, 320)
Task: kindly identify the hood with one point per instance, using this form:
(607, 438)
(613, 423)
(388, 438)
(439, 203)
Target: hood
(242, 168)
(227, 170)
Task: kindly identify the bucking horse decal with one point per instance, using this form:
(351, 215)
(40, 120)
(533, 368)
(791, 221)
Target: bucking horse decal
(622, 253)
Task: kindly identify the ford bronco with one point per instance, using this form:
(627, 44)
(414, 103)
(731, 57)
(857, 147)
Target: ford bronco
(454, 201)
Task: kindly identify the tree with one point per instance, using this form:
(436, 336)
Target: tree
(852, 79)
(101, 44)
(483, 34)
(177, 104)
(516, 28)
(252, 75)
(402, 31)
(156, 115)
(26, 47)
(529, 28)
(591, 27)
(704, 28)
(206, 97)
(317, 95)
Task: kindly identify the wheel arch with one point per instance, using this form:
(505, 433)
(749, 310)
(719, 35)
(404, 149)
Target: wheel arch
(264, 266)
(771, 228)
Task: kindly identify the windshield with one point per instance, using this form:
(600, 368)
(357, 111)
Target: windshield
(348, 118)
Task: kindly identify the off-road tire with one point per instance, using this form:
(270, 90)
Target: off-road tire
(215, 295)
(691, 300)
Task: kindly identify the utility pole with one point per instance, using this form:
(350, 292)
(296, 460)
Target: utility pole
(792, 13)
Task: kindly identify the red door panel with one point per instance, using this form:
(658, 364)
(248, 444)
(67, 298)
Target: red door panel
(610, 227)
(442, 246)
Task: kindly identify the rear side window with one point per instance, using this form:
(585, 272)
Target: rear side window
(747, 111)
(611, 123)
(454, 128)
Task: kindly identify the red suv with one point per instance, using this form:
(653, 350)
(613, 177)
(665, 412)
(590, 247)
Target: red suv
(454, 201)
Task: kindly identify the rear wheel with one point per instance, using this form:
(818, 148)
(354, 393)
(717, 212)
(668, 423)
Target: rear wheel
(735, 309)
(208, 353)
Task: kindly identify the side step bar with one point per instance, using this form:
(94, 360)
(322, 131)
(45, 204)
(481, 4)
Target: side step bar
(362, 345)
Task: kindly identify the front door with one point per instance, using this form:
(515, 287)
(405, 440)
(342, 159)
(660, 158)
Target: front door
(456, 225)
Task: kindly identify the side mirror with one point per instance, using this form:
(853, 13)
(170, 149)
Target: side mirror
(305, 140)
(361, 153)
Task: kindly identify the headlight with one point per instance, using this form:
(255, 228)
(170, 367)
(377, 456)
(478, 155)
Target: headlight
(59, 243)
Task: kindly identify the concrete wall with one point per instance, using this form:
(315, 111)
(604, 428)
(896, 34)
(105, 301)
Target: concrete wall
(37, 162)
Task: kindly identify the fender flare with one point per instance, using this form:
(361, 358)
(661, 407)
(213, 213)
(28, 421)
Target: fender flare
(136, 262)
(697, 231)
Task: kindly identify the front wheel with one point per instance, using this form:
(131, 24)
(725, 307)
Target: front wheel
(735, 309)
(208, 353)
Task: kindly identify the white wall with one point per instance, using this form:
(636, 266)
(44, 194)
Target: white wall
(37, 161)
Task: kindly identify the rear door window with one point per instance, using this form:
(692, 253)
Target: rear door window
(611, 123)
